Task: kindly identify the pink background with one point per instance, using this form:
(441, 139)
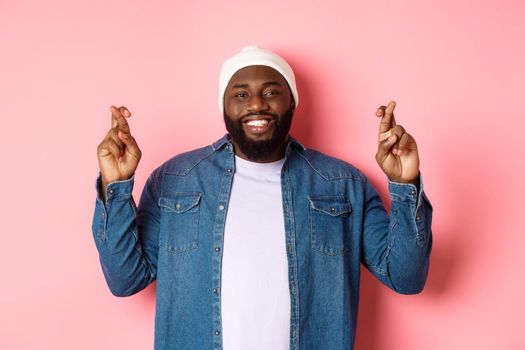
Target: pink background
(456, 69)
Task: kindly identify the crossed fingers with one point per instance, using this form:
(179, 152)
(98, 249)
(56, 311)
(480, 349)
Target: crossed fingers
(390, 134)
(388, 121)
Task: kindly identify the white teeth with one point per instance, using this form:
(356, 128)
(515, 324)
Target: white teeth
(259, 122)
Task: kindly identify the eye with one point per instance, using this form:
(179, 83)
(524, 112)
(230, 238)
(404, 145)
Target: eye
(240, 94)
(272, 93)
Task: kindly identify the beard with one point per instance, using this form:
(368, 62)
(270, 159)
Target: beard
(257, 150)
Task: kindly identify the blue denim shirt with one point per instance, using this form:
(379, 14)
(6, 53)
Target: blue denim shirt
(334, 220)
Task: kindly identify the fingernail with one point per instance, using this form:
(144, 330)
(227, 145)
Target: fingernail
(392, 138)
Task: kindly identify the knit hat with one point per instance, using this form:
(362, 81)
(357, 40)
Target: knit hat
(255, 56)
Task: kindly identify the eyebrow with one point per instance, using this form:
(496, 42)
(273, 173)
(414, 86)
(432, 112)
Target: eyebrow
(244, 85)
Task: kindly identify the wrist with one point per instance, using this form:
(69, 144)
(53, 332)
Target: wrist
(414, 181)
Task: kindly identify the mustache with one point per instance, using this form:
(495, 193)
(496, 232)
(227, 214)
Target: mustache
(259, 113)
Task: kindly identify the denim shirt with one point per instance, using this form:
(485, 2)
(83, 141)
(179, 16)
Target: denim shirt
(334, 220)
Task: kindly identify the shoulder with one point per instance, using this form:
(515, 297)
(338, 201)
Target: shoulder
(181, 164)
(329, 167)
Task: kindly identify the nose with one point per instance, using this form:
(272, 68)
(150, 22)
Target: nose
(257, 103)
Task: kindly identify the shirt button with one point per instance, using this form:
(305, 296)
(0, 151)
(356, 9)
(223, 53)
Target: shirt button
(217, 332)
(217, 249)
(221, 207)
(332, 210)
(110, 191)
(413, 192)
(228, 170)
(177, 206)
(215, 290)
(418, 217)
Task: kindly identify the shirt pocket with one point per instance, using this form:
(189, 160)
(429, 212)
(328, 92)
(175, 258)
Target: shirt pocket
(179, 227)
(330, 224)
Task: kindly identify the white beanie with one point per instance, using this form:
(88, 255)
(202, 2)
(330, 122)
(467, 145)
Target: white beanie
(255, 56)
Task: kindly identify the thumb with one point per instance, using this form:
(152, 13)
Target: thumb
(127, 139)
(130, 143)
(384, 147)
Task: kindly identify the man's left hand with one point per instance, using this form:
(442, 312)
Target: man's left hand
(397, 150)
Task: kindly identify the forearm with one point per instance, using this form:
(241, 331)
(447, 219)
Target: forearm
(125, 268)
(397, 246)
(411, 238)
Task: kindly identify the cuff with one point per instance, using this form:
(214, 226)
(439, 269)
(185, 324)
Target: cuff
(406, 192)
(115, 190)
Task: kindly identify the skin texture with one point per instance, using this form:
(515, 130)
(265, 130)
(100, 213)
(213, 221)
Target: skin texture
(118, 153)
(254, 93)
(397, 155)
(259, 92)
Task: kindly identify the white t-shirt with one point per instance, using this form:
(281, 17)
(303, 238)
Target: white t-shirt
(255, 297)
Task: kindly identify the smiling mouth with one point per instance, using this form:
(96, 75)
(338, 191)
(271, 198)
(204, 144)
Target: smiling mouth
(258, 124)
(257, 117)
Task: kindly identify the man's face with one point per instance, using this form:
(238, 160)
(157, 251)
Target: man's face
(258, 112)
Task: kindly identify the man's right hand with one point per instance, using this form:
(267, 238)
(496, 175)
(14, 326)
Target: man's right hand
(118, 154)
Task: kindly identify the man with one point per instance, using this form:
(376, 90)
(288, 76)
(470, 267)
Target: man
(256, 241)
